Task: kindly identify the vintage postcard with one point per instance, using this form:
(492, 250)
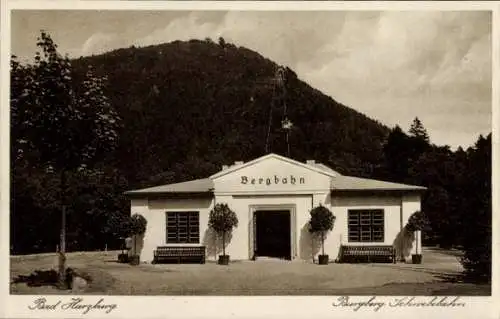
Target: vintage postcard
(249, 159)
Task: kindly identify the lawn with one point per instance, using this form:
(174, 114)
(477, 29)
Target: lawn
(268, 277)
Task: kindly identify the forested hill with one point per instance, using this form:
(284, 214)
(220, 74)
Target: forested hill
(189, 107)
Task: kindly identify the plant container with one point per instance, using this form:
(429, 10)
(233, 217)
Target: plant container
(123, 258)
(134, 260)
(223, 260)
(323, 260)
(416, 259)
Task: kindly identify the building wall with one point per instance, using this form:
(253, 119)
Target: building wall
(397, 210)
(274, 182)
(340, 205)
(390, 205)
(155, 213)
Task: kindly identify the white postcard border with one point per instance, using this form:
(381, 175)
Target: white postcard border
(17, 306)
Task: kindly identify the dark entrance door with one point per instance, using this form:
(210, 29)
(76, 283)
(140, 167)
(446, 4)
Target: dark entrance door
(272, 233)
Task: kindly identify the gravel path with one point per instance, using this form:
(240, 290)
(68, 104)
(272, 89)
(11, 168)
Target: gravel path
(264, 277)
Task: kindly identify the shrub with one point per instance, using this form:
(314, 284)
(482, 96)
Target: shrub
(477, 247)
(222, 220)
(417, 221)
(136, 226)
(322, 221)
(477, 262)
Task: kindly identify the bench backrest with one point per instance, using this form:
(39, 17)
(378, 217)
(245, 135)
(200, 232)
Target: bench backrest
(179, 250)
(368, 247)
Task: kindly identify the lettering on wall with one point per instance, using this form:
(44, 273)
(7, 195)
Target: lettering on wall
(275, 180)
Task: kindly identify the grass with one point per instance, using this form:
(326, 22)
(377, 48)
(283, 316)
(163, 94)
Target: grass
(252, 278)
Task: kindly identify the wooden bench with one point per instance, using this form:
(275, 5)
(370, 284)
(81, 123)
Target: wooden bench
(179, 254)
(351, 253)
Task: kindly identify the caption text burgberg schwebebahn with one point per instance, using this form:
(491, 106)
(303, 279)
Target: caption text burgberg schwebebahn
(415, 302)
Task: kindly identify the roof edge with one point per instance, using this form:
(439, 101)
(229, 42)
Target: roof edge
(271, 155)
(170, 195)
(153, 189)
(416, 189)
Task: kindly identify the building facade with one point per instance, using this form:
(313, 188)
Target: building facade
(272, 197)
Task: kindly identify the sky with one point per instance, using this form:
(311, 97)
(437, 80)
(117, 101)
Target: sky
(392, 66)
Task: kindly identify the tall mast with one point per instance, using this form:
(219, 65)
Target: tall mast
(279, 97)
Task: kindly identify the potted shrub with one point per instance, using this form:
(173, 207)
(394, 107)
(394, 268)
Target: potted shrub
(222, 220)
(137, 227)
(123, 256)
(416, 223)
(118, 225)
(322, 221)
(127, 245)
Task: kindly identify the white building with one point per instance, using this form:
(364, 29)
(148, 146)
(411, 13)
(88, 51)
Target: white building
(272, 197)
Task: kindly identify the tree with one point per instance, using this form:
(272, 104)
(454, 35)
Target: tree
(417, 222)
(21, 80)
(477, 230)
(137, 226)
(397, 155)
(222, 220)
(222, 42)
(67, 129)
(438, 170)
(322, 221)
(417, 130)
(418, 141)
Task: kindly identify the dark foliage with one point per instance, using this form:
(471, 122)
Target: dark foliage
(322, 220)
(477, 214)
(137, 224)
(418, 221)
(222, 220)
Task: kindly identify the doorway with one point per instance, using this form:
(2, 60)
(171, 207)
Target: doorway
(272, 234)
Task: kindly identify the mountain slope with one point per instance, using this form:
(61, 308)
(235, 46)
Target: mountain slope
(189, 107)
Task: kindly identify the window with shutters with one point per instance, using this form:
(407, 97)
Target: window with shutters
(366, 225)
(183, 227)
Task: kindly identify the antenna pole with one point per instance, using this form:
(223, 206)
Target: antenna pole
(287, 144)
(270, 123)
(286, 124)
(279, 93)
